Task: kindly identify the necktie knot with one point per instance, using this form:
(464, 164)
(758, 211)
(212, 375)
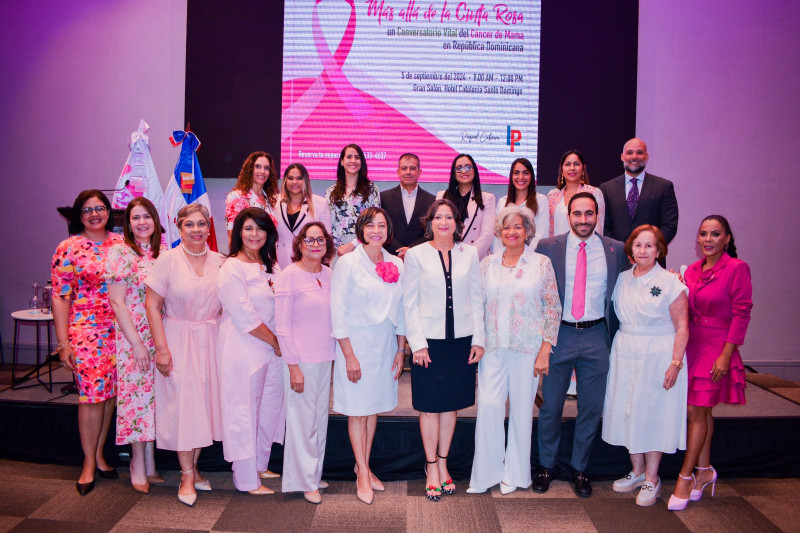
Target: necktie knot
(582, 245)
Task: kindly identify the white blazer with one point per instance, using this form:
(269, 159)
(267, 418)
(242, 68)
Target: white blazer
(424, 295)
(541, 219)
(359, 297)
(479, 225)
(286, 235)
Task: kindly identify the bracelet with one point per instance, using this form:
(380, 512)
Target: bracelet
(677, 364)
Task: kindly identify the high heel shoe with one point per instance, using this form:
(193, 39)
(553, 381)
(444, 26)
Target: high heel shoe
(205, 484)
(85, 488)
(261, 491)
(268, 474)
(376, 485)
(186, 499)
(108, 474)
(447, 483)
(155, 479)
(432, 492)
(679, 504)
(145, 488)
(698, 493)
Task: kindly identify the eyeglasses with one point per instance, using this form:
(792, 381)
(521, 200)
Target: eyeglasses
(463, 169)
(100, 209)
(311, 240)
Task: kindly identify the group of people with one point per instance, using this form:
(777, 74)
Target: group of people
(197, 347)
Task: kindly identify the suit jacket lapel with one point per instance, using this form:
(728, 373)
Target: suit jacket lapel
(645, 189)
(611, 266)
(560, 265)
(398, 200)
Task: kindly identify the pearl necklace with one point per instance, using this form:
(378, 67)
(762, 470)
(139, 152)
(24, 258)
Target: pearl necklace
(503, 262)
(193, 254)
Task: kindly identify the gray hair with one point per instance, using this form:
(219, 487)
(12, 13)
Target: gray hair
(188, 210)
(513, 210)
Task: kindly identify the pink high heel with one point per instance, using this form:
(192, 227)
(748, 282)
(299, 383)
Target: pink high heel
(679, 504)
(698, 493)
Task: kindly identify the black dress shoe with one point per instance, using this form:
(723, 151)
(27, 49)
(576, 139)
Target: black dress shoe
(108, 474)
(582, 485)
(84, 488)
(542, 480)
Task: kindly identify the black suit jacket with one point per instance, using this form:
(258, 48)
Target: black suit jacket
(405, 233)
(657, 206)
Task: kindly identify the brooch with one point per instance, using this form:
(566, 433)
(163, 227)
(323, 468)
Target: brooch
(388, 272)
(655, 291)
(271, 285)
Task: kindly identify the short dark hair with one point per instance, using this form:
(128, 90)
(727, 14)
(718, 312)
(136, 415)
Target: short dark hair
(127, 231)
(578, 196)
(367, 216)
(263, 221)
(329, 249)
(75, 225)
(408, 154)
(427, 220)
(661, 242)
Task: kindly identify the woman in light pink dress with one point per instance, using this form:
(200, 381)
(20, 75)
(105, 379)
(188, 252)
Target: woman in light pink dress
(127, 266)
(248, 355)
(183, 285)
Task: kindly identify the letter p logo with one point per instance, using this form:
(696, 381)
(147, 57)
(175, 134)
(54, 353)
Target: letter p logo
(513, 137)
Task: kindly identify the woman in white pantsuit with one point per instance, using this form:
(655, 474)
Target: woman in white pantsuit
(367, 317)
(250, 368)
(522, 310)
(303, 326)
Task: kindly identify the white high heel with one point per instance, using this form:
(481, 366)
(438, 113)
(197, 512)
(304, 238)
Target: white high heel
(679, 504)
(186, 499)
(698, 493)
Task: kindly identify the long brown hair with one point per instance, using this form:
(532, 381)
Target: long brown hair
(530, 199)
(245, 181)
(363, 187)
(127, 231)
(306, 187)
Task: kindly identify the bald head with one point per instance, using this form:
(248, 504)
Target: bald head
(634, 156)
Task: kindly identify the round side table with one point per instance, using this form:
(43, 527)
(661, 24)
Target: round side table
(37, 319)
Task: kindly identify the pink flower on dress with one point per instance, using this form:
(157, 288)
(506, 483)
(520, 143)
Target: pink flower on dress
(388, 271)
(519, 274)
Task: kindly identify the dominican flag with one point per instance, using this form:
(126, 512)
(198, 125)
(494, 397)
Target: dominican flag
(138, 177)
(186, 187)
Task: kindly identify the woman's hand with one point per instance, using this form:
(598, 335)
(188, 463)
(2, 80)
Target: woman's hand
(141, 357)
(277, 348)
(475, 354)
(164, 362)
(296, 381)
(397, 366)
(353, 369)
(720, 368)
(67, 357)
(421, 357)
(671, 376)
(542, 365)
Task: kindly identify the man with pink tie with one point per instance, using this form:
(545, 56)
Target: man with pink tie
(586, 265)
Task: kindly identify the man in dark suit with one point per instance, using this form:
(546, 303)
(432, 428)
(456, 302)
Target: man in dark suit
(406, 204)
(586, 265)
(637, 198)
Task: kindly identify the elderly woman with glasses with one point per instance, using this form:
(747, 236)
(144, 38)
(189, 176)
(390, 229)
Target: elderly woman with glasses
(84, 323)
(522, 311)
(303, 327)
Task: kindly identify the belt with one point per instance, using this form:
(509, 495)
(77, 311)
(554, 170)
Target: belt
(583, 325)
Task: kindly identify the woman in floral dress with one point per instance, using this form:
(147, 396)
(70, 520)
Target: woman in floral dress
(127, 266)
(84, 324)
(352, 193)
(257, 186)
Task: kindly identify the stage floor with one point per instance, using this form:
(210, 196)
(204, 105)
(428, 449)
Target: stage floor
(767, 397)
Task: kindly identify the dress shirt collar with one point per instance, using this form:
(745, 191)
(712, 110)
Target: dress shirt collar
(647, 278)
(573, 242)
(412, 194)
(639, 179)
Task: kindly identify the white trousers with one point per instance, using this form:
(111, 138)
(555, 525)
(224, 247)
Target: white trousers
(306, 428)
(504, 375)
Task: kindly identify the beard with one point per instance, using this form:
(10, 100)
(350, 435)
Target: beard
(634, 168)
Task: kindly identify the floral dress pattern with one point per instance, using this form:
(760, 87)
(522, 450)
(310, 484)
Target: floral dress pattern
(237, 200)
(78, 274)
(135, 393)
(345, 216)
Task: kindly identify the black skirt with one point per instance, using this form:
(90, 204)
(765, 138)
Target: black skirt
(448, 384)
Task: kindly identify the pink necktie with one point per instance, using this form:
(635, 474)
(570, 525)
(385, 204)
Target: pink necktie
(579, 287)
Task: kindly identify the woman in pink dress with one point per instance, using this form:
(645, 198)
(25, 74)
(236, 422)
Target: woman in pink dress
(84, 324)
(250, 368)
(257, 186)
(720, 301)
(127, 266)
(183, 286)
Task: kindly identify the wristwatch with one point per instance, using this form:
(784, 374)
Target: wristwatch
(677, 364)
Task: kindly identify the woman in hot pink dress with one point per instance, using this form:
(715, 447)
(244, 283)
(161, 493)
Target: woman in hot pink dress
(127, 265)
(720, 300)
(183, 283)
(84, 324)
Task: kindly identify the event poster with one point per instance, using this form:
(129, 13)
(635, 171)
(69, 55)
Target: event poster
(432, 77)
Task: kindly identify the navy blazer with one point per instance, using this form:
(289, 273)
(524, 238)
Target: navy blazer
(657, 206)
(405, 233)
(616, 261)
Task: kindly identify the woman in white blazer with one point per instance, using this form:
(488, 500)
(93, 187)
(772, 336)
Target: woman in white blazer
(296, 207)
(476, 208)
(444, 327)
(367, 319)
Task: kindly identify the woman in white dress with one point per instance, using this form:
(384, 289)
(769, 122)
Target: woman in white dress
(522, 192)
(367, 318)
(645, 403)
(250, 368)
(297, 207)
(522, 311)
